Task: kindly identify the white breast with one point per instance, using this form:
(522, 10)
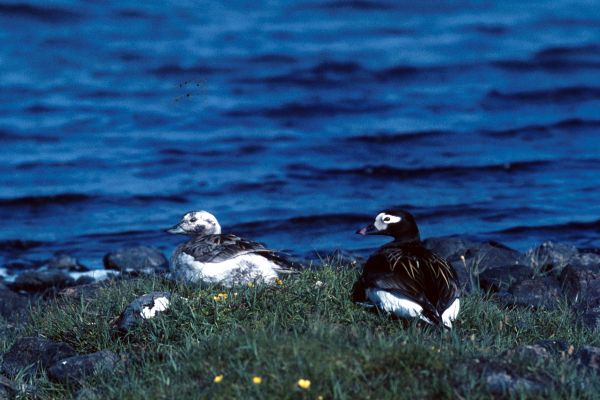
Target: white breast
(238, 270)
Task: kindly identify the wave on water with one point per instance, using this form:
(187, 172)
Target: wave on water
(396, 138)
(310, 109)
(305, 171)
(569, 94)
(556, 59)
(11, 245)
(41, 13)
(72, 198)
(7, 136)
(64, 198)
(572, 125)
(574, 226)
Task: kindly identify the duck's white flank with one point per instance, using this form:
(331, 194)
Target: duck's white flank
(408, 309)
(242, 269)
(396, 305)
(451, 313)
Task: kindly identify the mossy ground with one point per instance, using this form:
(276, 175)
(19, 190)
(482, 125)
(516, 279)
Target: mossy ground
(300, 330)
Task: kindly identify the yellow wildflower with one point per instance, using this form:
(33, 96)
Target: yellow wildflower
(279, 282)
(220, 296)
(257, 380)
(304, 384)
(250, 284)
(218, 378)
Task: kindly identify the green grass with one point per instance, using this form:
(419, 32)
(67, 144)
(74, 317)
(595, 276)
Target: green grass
(298, 330)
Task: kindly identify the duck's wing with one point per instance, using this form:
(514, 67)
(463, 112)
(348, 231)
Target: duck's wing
(218, 248)
(414, 273)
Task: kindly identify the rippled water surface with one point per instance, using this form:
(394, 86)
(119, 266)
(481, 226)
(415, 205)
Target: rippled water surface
(295, 122)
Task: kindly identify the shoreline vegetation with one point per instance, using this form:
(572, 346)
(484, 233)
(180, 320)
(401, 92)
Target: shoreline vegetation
(526, 329)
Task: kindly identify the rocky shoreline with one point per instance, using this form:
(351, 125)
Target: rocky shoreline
(549, 276)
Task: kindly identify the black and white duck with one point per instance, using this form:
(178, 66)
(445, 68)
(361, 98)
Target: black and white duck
(403, 277)
(214, 258)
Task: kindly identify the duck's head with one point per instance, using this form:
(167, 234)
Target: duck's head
(393, 222)
(196, 223)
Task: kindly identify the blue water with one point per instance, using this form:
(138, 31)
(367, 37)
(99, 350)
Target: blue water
(295, 122)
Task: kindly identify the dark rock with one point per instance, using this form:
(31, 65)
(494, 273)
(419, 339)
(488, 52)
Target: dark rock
(21, 265)
(464, 277)
(144, 307)
(590, 318)
(136, 260)
(86, 290)
(555, 347)
(84, 280)
(539, 292)
(490, 255)
(66, 262)
(449, 247)
(13, 307)
(551, 256)
(33, 353)
(588, 357)
(10, 389)
(7, 388)
(76, 368)
(582, 287)
(577, 282)
(41, 281)
(501, 278)
(530, 354)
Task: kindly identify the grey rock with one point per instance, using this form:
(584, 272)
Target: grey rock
(41, 281)
(501, 383)
(539, 292)
(32, 353)
(587, 260)
(551, 256)
(74, 369)
(588, 357)
(530, 354)
(13, 307)
(136, 260)
(66, 262)
(501, 278)
(150, 304)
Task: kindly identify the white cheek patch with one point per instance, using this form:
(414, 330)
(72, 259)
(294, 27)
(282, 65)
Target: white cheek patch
(390, 219)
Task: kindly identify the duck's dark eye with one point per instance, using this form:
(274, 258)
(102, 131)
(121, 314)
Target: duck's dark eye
(386, 219)
(193, 220)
